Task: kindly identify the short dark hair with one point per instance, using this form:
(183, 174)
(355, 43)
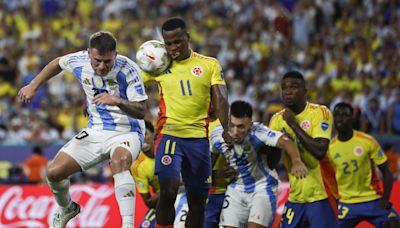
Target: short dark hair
(294, 74)
(241, 109)
(37, 150)
(344, 105)
(173, 23)
(149, 126)
(103, 41)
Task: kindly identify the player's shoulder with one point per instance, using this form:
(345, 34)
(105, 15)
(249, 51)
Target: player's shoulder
(364, 136)
(125, 62)
(204, 58)
(277, 115)
(319, 109)
(80, 56)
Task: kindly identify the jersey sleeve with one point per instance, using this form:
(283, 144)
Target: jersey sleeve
(147, 79)
(135, 90)
(217, 76)
(322, 123)
(376, 152)
(268, 136)
(71, 61)
(274, 123)
(217, 142)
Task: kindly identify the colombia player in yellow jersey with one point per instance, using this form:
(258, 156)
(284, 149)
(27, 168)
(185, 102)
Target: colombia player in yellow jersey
(143, 173)
(311, 202)
(355, 156)
(182, 148)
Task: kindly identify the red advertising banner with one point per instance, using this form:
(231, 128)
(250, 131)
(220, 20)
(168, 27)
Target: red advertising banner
(34, 206)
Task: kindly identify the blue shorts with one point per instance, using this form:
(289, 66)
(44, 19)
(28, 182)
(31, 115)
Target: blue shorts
(213, 210)
(189, 157)
(350, 214)
(314, 215)
(149, 219)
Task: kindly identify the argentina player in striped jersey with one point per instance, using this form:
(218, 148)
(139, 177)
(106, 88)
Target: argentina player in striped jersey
(115, 99)
(251, 199)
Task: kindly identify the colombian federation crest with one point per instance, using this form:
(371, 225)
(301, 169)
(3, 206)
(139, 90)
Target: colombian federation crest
(305, 125)
(358, 151)
(197, 71)
(166, 160)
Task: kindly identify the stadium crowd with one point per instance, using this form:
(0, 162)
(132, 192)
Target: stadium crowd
(348, 51)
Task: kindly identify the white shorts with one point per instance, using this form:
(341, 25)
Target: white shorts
(240, 208)
(90, 147)
(181, 210)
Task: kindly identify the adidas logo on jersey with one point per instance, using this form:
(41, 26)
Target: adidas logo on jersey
(129, 194)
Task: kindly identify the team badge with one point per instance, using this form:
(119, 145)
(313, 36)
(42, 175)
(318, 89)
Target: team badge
(166, 160)
(197, 71)
(145, 223)
(358, 151)
(98, 82)
(305, 125)
(324, 126)
(380, 153)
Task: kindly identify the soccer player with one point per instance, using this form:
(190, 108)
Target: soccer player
(222, 175)
(312, 199)
(187, 90)
(252, 197)
(115, 99)
(355, 156)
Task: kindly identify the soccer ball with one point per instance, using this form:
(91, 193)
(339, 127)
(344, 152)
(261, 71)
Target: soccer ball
(152, 57)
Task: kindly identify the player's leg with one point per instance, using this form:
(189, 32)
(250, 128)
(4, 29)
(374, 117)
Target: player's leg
(321, 214)
(379, 217)
(168, 163)
(124, 148)
(293, 215)
(213, 210)
(262, 208)
(196, 174)
(233, 213)
(78, 154)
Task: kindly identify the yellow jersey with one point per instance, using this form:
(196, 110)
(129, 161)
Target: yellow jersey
(185, 95)
(354, 162)
(143, 174)
(316, 120)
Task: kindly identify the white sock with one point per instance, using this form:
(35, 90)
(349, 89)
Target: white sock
(61, 194)
(125, 193)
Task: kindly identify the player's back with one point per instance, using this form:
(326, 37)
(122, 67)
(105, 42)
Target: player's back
(123, 80)
(185, 95)
(316, 120)
(354, 161)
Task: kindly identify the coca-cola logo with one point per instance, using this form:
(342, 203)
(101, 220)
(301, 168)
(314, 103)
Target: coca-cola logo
(21, 207)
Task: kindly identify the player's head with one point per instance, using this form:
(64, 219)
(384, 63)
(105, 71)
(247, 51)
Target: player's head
(293, 89)
(176, 38)
(102, 52)
(148, 144)
(241, 114)
(343, 117)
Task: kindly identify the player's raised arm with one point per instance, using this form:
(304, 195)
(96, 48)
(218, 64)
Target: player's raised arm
(298, 170)
(50, 70)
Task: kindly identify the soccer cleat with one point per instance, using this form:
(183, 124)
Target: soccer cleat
(61, 218)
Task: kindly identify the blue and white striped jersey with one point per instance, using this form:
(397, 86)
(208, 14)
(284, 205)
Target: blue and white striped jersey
(124, 80)
(247, 159)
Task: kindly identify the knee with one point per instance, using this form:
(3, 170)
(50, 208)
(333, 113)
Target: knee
(168, 194)
(54, 174)
(121, 163)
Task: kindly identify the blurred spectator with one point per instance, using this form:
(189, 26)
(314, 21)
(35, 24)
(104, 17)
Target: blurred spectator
(16, 133)
(393, 115)
(34, 167)
(372, 119)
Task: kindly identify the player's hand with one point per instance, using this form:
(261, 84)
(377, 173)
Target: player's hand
(106, 99)
(225, 172)
(299, 170)
(289, 117)
(26, 93)
(227, 139)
